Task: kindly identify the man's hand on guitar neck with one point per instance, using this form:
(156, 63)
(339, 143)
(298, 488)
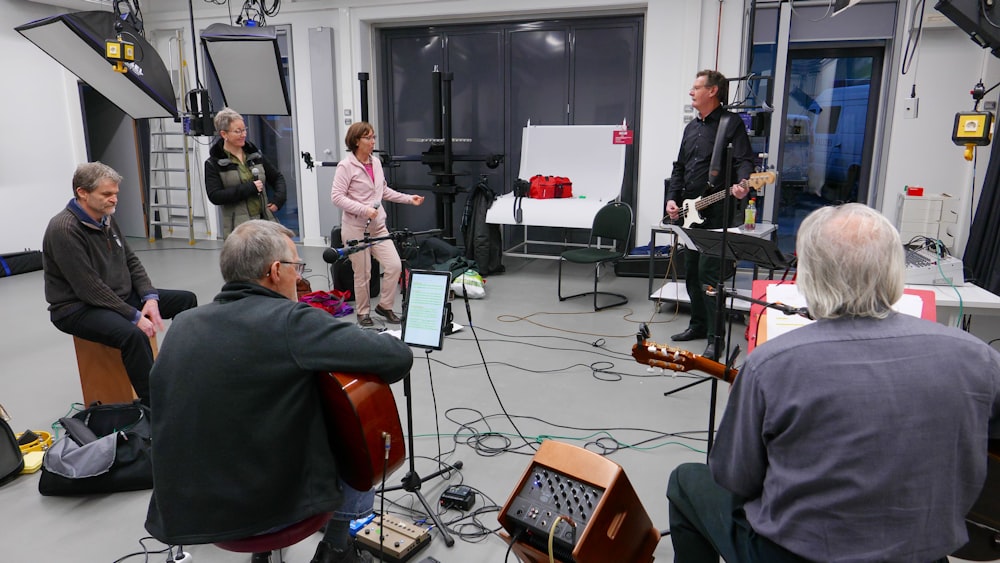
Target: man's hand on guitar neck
(740, 191)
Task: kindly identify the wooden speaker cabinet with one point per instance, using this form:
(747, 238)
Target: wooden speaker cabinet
(585, 502)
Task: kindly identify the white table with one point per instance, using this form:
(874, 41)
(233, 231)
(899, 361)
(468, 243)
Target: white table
(955, 302)
(677, 291)
(668, 291)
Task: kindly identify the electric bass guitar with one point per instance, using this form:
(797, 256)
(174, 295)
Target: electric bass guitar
(690, 209)
(363, 426)
(667, 357)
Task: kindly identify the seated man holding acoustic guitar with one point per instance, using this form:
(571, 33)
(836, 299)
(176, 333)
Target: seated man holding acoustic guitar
(240, 441)
(859, 437)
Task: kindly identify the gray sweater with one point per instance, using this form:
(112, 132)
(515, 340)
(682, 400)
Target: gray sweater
(861, 440)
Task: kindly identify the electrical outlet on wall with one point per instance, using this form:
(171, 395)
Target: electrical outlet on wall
(910, 108)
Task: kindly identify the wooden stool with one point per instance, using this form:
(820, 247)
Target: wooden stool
(102, 373)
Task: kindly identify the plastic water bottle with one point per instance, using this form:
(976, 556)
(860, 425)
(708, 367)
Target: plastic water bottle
(750, 216)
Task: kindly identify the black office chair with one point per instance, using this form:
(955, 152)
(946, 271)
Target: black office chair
(613, 222)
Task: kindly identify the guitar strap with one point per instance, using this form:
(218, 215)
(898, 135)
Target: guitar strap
(715, 168)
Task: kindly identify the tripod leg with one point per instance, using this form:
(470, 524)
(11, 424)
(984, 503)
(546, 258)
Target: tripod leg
(448, 540)
(688, 386)
(412, 480)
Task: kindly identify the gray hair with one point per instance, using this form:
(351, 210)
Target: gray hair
(251, 248)
(851, 262)
(89, 175)
(225, 118)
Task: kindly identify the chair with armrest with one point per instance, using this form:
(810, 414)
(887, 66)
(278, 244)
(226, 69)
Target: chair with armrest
(612, 222)
(278, 540)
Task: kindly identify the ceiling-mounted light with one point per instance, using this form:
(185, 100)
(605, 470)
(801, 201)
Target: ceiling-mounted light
(78, 41)
(248, 63)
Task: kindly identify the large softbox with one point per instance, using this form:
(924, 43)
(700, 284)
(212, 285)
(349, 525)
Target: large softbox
(77, 41)
(248, 63)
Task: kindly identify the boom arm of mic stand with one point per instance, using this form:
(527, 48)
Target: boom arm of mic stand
(786, 309)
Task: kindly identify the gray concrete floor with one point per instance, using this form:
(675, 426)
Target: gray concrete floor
(532, 368)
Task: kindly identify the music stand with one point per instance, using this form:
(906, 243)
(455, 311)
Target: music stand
(736, 247)
(426, 312)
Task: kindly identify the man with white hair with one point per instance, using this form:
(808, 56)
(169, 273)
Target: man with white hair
(860, 437)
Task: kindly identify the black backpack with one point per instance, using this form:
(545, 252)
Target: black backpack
(483, 241)
(11, 459)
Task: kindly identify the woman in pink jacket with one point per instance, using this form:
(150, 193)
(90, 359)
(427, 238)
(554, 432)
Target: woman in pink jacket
(358, 190)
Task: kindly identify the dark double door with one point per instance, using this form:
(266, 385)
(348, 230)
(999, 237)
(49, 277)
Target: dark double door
(558, 72)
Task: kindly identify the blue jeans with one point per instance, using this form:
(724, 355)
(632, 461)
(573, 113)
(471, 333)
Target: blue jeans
(355, 505)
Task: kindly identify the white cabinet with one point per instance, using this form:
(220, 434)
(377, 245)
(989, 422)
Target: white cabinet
(933, 216)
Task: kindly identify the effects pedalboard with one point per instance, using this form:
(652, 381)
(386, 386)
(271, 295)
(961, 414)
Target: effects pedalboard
(395, 542)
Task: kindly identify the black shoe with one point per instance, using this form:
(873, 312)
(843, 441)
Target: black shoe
(688, 334)
(261, 557)
(710, 352)
(326, 553)
(390, 317)
(365, 320)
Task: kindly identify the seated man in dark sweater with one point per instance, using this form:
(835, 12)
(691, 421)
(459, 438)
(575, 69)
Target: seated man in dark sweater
(246, 365)
(95, 285)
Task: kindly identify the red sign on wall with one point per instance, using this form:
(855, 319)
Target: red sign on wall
(621, 137)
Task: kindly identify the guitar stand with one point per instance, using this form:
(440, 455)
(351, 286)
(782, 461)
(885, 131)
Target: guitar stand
(412, 481)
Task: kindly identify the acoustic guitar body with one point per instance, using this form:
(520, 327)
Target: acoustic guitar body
(360, 412)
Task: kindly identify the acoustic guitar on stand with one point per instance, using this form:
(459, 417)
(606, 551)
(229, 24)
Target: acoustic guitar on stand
(667, 357)
(363, 427)
(690, 209)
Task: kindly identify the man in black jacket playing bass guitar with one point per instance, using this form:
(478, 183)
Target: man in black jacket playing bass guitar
(693, 177)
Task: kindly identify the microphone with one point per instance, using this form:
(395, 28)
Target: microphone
(331, 255)
(263, 208)
(369, 221)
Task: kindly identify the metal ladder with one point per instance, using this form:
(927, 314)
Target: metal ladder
(171, 153)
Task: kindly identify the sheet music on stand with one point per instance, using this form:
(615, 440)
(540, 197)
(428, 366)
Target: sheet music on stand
(779, 323)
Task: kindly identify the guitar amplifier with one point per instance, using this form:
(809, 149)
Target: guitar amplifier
(585, 502)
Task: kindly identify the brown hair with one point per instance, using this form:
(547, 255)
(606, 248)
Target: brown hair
(357, 130)
(90, 174)
(717, 79)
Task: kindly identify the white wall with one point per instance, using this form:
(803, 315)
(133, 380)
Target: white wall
(920, 151)
(680, 39)
(42, 139)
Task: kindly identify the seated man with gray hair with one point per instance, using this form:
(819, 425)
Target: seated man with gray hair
(859, 437)
(244, 368)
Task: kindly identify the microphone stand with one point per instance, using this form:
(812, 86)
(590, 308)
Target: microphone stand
(720, 299)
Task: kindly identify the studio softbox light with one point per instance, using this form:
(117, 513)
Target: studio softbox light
(248, 64)
(77, 41)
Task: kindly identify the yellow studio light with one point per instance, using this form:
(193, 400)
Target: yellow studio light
(117, 50)
(113, 49)
(972, 129)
